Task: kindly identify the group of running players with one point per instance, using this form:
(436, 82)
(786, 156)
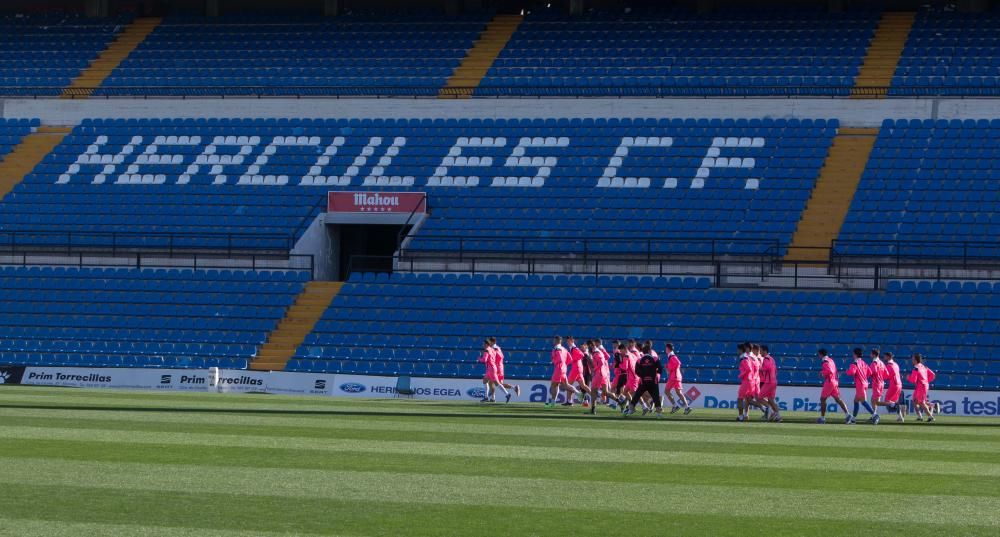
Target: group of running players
(585, 372)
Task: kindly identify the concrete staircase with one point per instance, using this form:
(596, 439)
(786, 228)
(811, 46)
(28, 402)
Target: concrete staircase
(885, 50)
(111, 57)
(831, 198)
(27, 155)
(298, 322)
(481, 56)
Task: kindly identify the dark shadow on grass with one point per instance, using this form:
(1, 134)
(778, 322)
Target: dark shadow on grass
(508, 412)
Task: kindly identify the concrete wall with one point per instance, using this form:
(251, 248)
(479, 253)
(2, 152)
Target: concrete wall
(852, 113)
(320, 242)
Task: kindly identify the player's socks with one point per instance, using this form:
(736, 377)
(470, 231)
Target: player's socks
(857, 406)
(868, 407)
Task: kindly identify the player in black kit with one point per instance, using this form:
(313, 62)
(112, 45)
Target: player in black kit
(648, 369)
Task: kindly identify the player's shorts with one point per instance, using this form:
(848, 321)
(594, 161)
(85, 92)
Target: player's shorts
(746, 391)
(830, 390)
(598, 381)
(633, 383)
(620, 381)
(920, 394)
(559, 375)
(674, 385)
(588, 378)
(860, 392)
(491, 375)
(892, 394)
(575, 376)
(877, 390)
(769, 390)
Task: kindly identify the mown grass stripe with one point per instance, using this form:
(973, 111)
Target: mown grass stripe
(961, 511)
(880, 439)
(314, 516)
(664, 453)
(486, 438)
(625, 471)
(55, 528)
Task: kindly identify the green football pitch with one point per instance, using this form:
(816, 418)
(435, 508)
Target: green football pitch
(82, 462)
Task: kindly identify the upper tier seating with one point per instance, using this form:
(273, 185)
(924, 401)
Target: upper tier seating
(932, 186)
(49, 51)
(486, 179)
(951, 53)
(12, 131)
(383, 324)
(679, 53)
(140, 317)
(378, 55)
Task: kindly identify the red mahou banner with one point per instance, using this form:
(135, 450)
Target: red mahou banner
(376, 202)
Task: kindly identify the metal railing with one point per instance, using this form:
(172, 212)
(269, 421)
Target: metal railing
(404, 231)
(493, 92)
(969, 254)
(192, 260)
(17, 241)
(729, 273)
(590, 247)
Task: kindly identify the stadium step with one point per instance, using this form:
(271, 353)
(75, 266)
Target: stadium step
(23, 159)
(481, 56)
(832, 195)
(298, 322)
(111, 57)
(884, 51)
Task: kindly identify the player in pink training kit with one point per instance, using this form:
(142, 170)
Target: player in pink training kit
(769, 383)
(895, 390)
(490, 378)
(860, 371)
(576, 370)
(504, 385)
(879, 374)
(601, 380)
(921, 377)
(675, 382)
(607, 360)
(831, 387)
(560, 357)
(757, 361)
(745, 391)
(632, 356)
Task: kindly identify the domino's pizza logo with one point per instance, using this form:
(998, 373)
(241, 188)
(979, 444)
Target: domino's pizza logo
(693, 393)
(476, 393)
(352, 387)
(4, 376)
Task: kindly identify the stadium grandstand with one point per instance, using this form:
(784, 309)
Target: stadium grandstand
(883, 219)
(352, 195)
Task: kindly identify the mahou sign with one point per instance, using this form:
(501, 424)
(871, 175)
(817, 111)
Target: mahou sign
(376, 202)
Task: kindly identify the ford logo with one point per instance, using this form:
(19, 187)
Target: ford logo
(352, 387)
(477, 393)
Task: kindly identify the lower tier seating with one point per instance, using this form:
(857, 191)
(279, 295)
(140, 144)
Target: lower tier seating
(140, 317)
(433, 324)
